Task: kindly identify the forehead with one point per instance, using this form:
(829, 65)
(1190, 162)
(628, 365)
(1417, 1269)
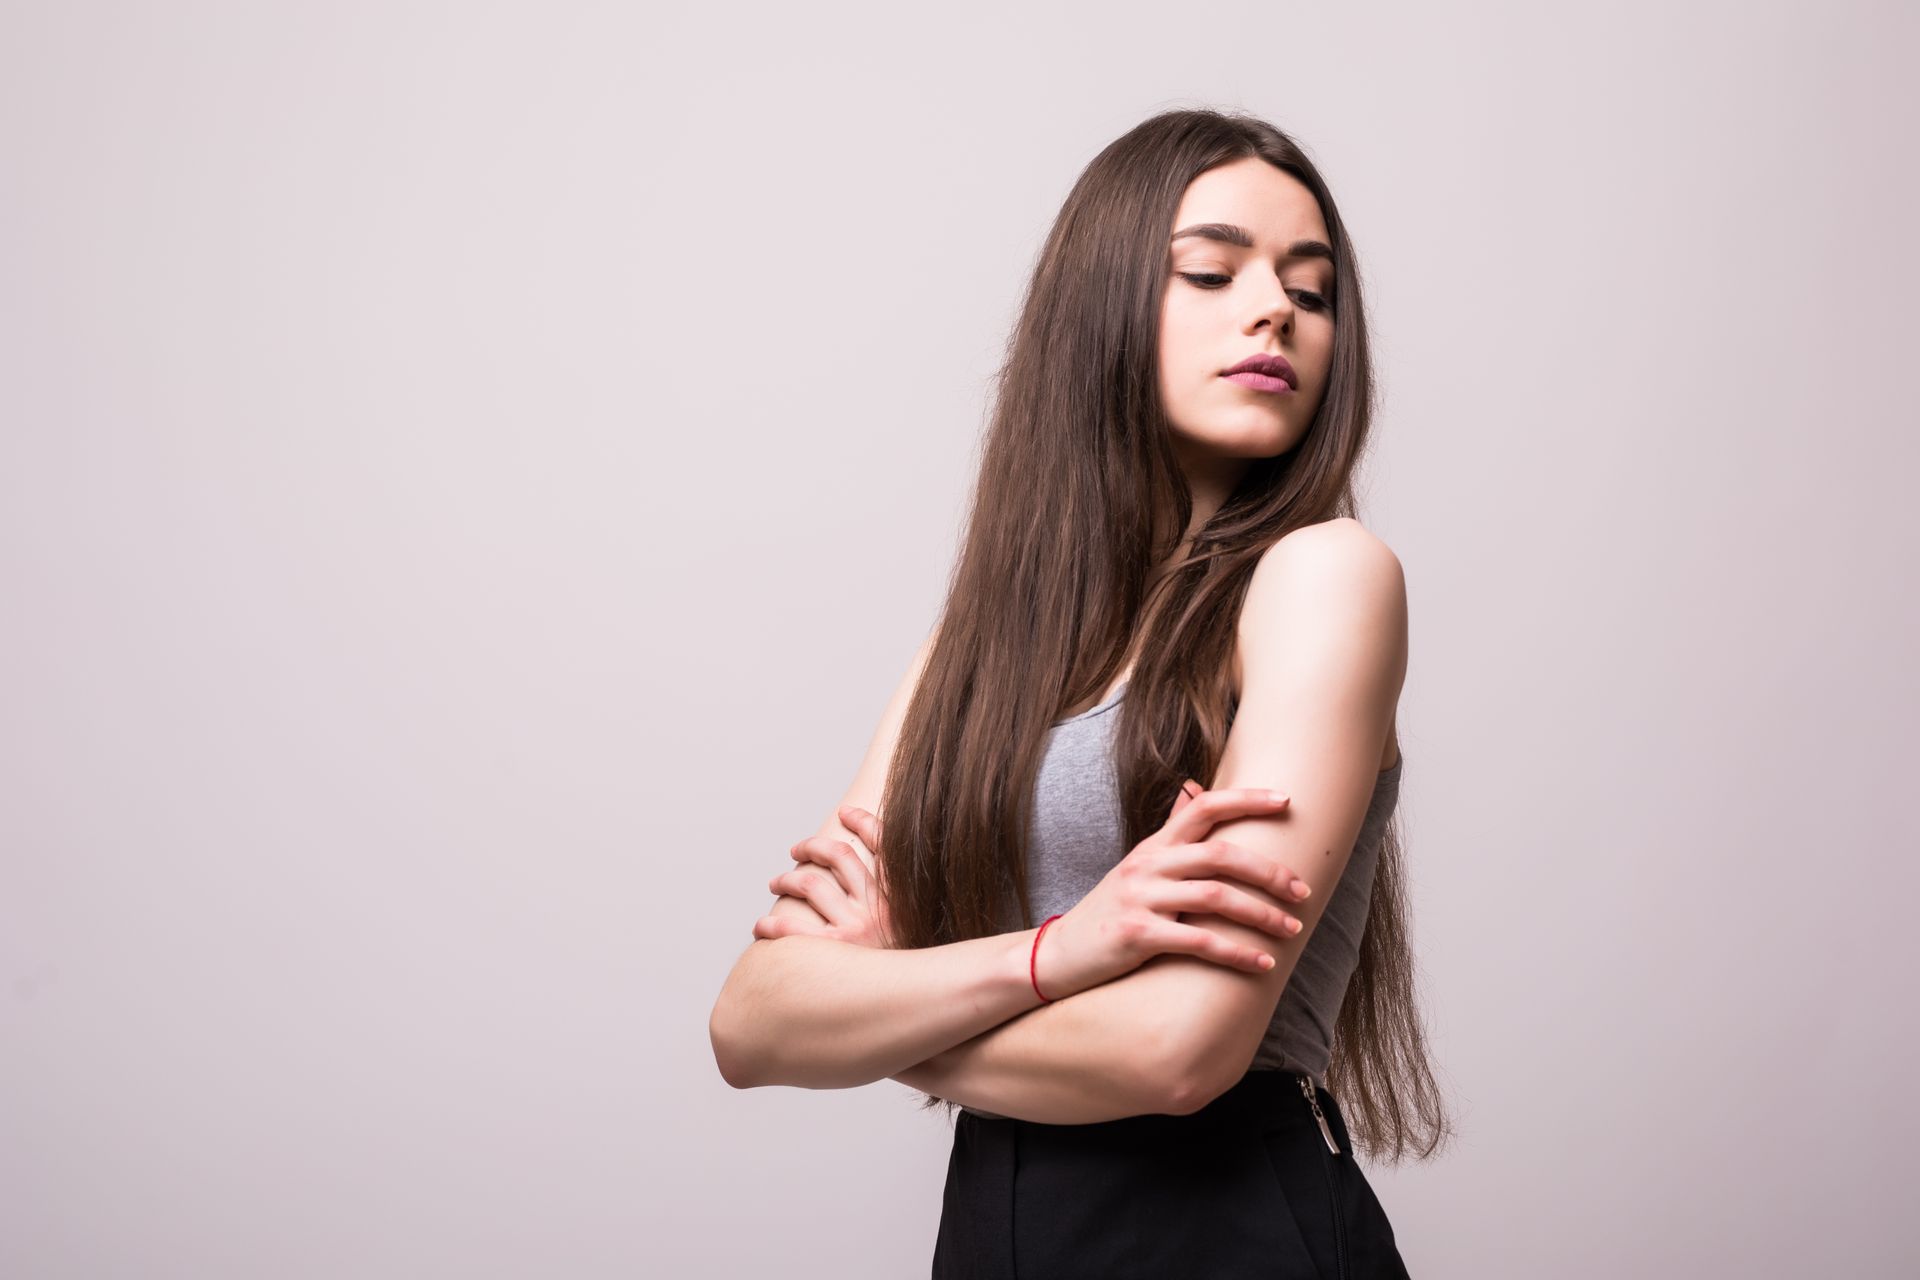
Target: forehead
(1269, 202)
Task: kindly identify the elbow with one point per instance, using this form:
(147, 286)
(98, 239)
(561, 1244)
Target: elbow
(1163, 1082)
(744, 1062)
(736, 1051)
(735, 1068)
(1192, 1073)
(1187, 1094)
(726, 1050)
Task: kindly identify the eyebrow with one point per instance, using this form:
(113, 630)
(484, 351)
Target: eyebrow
(1227, 233)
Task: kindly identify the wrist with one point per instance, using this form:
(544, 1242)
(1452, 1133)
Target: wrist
(1017, 969)
(1048, 981)
(1045, 994)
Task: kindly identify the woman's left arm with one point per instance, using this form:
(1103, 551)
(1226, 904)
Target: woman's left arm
(1323, 639)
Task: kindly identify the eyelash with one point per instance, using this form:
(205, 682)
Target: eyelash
(1195, 277)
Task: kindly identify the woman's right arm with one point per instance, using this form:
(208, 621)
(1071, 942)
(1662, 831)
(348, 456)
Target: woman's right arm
(823, 1014)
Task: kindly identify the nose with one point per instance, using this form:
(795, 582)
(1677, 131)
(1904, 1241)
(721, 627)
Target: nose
(1274, 307)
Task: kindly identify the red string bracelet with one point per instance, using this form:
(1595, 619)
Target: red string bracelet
(1033, 961)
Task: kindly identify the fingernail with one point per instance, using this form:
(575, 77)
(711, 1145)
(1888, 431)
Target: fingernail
(1191, 787)
(1278, 797)
(1302, 888)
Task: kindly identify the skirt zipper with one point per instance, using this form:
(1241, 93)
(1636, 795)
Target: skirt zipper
(1313, 1100)
(1333, 1186)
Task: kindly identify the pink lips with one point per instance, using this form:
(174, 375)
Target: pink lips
(1263, 372)
(1259, 382)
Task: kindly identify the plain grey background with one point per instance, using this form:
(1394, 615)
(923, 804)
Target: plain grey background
(470, 476)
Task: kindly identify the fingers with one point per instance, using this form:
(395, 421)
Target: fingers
(867, 827)
(816, 887)
(838, 857)
(1223, 857)
(1188, 790)
(862, 824)
(1210, 808)
(819, 887)
(1215, 897)
(1192, 940)
(784, 926)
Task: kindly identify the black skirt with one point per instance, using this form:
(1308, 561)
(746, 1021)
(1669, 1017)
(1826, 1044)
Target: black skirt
(1245, 1187)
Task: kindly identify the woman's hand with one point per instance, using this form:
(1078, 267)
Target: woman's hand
(851, 900)
(1132, 914)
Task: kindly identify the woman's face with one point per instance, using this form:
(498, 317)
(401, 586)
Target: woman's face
(1226, 301)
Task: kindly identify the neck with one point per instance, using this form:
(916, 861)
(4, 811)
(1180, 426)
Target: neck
(1210, 479)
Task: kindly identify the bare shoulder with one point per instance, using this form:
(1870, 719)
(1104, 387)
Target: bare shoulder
(1327, 602)
(1327, 580)
(1333, 552)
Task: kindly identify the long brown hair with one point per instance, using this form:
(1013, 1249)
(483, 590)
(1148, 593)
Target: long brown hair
(1079, 498)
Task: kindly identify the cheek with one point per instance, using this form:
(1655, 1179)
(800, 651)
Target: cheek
(1169, 354)
(1322, 365)
(1183, 380)
(1181, 356)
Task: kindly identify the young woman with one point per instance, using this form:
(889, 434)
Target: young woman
(1143, 998)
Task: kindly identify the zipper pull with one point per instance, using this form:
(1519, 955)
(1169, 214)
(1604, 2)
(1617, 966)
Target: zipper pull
(1313, 1100)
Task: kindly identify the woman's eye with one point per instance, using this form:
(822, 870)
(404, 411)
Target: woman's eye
(1199, 280)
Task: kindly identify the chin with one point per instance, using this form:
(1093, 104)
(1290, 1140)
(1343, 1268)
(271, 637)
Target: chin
(1252, 440)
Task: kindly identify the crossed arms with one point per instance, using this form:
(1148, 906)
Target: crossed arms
(1322, 645)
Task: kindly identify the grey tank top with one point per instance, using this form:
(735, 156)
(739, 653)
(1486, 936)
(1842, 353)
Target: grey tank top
(1077, 837)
